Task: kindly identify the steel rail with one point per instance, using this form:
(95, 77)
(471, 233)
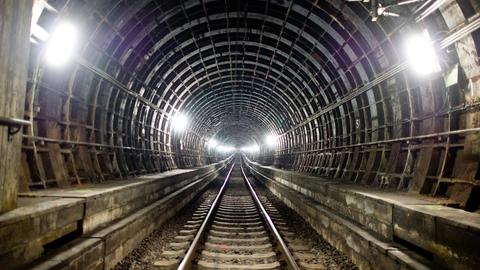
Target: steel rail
(187, 260)
(290, 260)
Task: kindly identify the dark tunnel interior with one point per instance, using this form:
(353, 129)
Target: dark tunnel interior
(332, 88)
(369, 108)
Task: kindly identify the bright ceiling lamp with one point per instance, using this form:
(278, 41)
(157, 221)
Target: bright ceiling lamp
(180, 122)
(251, 148)
(61, 44)
(271, 140)
(212, 143)
(421, 54)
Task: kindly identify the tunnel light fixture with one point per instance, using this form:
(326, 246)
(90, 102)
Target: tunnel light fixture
(421, 54)
(254, 148)
(180, 122)
(271, 140)
(212, 143)
(61, 44)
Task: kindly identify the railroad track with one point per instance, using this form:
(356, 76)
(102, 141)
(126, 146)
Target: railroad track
(237, 229)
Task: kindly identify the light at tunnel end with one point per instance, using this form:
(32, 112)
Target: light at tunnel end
(251, 148)
(226, 148)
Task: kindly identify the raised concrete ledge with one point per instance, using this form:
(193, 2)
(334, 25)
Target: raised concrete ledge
(450, 235)
(91, 257)
(47, 215)
(114, 242)
(364, 248)
(24, 230)
(40, 207)
(111, 200)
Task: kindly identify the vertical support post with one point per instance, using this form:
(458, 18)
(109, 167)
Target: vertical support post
(15, 20)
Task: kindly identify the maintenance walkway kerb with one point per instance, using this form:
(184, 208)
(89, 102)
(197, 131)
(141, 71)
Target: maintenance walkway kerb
(101, 215)
(376, 225)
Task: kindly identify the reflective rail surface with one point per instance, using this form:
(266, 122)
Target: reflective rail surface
(287, 255)
(244, 210)
(187, 261)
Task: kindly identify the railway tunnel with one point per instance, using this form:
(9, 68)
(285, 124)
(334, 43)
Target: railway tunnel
(359, 117)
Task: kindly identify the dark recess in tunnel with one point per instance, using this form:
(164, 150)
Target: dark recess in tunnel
(321, 76)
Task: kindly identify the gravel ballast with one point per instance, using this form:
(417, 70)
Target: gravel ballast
(326, 253)
(150, 249)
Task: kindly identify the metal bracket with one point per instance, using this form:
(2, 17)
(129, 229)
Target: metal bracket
(14, 125)
(12, 130)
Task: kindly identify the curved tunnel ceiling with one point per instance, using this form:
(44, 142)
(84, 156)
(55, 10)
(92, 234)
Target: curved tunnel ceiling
(276, 61)
(328, 81)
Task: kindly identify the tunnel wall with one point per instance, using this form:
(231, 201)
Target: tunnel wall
(95, 226)
(15, 20)
(398, 132)
(375, 228)
(330, 83)
(97, 120)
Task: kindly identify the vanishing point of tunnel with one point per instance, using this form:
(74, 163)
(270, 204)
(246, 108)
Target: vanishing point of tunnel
(239, 134)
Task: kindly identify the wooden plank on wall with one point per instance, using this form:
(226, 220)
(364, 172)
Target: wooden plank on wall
(15, 20)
